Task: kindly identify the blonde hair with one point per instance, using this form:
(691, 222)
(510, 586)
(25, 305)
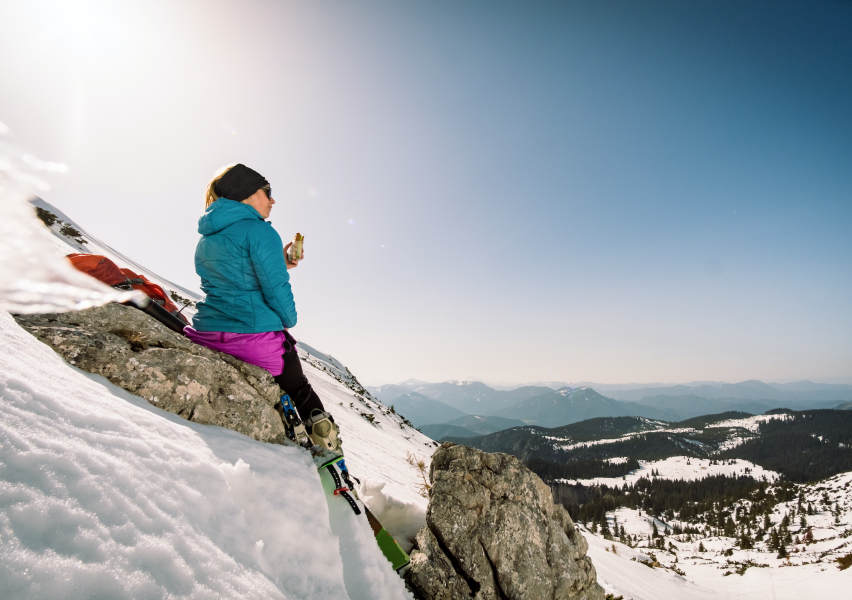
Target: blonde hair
(211, 196)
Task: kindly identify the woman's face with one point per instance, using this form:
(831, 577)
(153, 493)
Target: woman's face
(261, 203)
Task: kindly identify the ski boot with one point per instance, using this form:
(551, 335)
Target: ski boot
(323, 431)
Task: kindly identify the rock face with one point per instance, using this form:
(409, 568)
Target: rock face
(137, 353)
(493, 533)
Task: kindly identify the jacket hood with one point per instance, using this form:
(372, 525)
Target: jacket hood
(223, 213)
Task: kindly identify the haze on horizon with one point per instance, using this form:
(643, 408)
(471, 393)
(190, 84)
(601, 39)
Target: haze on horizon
(566, 191)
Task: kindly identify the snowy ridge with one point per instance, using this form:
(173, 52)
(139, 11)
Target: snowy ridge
(739, 431)
(66, 245)
(681, 468)
(748, 423)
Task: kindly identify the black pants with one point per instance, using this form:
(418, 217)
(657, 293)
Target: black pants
(294, 383)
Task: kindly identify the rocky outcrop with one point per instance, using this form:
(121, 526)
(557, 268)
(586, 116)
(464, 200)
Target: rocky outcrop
(139, 354)
(493, 533)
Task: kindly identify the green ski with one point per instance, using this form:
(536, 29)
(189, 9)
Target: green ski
(336, 479)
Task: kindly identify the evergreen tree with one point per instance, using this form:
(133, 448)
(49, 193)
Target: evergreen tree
(701, 547)
(782, 551)
(774, 540)
(605, 528)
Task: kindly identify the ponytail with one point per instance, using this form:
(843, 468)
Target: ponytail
(211, 196)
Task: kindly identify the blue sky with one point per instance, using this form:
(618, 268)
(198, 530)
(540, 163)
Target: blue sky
(606, 191)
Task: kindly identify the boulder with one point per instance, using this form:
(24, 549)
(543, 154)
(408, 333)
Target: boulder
(142, 356)
(493, 533)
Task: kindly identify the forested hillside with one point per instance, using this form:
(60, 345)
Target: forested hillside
(806, 446)
(802, 446)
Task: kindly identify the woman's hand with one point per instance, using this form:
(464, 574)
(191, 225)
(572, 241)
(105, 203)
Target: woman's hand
(291, 265)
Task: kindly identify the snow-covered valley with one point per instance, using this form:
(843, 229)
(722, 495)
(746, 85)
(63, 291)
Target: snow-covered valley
(697, 567)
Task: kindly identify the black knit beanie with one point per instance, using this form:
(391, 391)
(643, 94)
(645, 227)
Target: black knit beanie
(239, 183)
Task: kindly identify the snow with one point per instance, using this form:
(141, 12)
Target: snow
(62, 246)
(750, 423)
(619, 575)
(623, 438)
(103, 495)
(657, 427)
(809, 572)
(33, 278)
(682, 467)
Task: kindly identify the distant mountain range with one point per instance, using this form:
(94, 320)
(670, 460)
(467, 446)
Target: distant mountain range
(474, 397)
(565, 406)
(430, 404)
(418, 409)
(801, 391)
(466, 397)
(470, 426)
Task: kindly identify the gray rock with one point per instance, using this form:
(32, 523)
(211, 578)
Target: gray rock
(493, 533)
(140, 355)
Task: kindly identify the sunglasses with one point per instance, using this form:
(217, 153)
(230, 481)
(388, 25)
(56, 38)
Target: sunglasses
(268, 191)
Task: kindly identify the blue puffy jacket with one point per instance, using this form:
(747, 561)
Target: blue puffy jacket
(240, 260)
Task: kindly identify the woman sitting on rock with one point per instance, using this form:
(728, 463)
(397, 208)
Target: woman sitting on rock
(243, 268)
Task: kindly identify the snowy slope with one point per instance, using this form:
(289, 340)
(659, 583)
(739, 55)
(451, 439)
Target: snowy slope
(368, 446)
(33, 278)
(722, 570)
(809, 572)
(67, 245)
(378, 451)
(622, 576)
(104, 495)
